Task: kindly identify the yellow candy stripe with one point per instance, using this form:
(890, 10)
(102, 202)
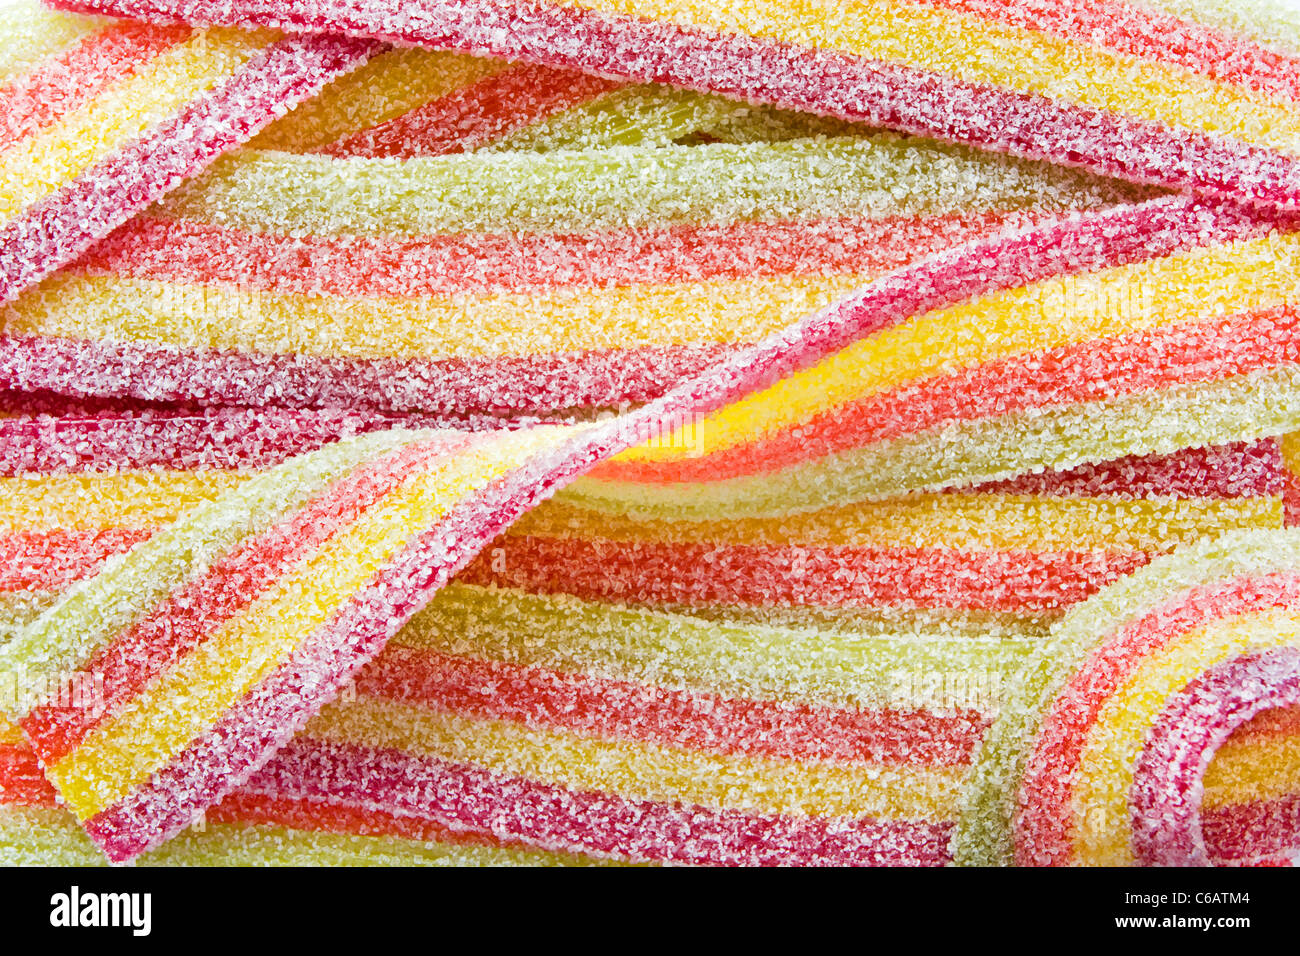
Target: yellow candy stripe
(10, 733)
(468, 325)
(1256, 405)
(125, 499)
(903, 667)
(50, 836)
(31, 33)
(227, 844)
(1243, 772)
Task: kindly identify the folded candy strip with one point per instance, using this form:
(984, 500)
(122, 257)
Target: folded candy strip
(99, 118)
(513, 282)
(295, 579)
(1100, 85)
(683, 723)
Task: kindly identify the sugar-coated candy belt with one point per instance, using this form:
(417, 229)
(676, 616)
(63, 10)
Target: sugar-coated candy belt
(100, 118)
(510, 282)
(953, 526)
(1159, 725)
(1100, 84)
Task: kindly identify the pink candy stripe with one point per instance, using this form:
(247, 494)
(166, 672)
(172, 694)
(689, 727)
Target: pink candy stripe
(1168, 782)
(1247, 832)
(539, 383)
(590, 822)
(812, 80)
(208, 439)
(60, 227)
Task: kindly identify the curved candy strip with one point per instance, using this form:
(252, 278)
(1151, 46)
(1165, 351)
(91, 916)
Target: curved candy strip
(1086, 340)
(144, 109)
(1168, 783)
(509, 282)
(486, 709)
(833, 711)
(1101, 86)
(1055, 774)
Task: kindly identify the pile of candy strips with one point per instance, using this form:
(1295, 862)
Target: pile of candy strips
(657, 431)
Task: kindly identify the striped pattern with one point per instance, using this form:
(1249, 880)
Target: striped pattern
(1102, 752)
(950, 527)
(1249, 800)
(560, 719)
(246, 830)
(1161, 317)
(345, 518)
(511, 699)
(109, 116)
(508, 282)
(1103, 86)
(408, 102)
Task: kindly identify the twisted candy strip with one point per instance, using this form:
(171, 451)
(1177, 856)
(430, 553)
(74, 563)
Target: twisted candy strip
(102, 118)
(1098, 85)
(492, 709)
(227, 630)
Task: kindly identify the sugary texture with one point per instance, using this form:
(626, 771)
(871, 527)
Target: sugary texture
(1250, 793)
(101, 118)
(817, 697)
(270, 596)
(510, 282)
(278, 591)
(1100, 755)
(411, 102)
(1187, 97)
(246, 829)
(1143, 329)
(948, 523)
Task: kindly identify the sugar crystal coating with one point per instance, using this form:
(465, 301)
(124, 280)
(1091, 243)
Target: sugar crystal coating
(499, 463)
